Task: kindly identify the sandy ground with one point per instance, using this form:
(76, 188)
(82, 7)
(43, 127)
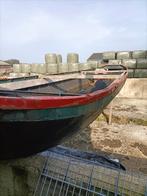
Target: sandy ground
(125, 139)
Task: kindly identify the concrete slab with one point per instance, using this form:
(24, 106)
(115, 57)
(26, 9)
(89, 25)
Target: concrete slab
(134, 88)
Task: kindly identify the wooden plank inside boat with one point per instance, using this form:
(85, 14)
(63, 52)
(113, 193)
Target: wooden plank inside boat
(23, 84)
(35, 82)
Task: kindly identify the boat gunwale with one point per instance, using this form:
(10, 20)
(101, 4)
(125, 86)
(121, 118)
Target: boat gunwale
(46, 102)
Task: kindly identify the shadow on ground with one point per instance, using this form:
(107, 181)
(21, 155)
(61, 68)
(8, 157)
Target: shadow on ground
(104, 139)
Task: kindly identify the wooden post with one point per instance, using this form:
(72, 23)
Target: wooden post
(110, 113)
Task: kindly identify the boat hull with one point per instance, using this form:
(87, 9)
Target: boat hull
(20, 139)
(26, 132)
(24, 138)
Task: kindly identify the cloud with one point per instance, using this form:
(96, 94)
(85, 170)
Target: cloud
(45, 26)
(66, 26)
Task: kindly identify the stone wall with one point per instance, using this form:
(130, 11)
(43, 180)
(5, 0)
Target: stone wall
(19, 177)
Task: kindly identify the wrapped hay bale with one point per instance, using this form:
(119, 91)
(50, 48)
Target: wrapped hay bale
(123, 55)
(34, 68)
(131, 73)
(63, 68)
(108, 55)
(115, 62)
(74, 67)
(13, 75)
(41, 69)
(72, 58)
(81, 66)
(33, 74)
(23, 74)
(100, 63)
(52, 68)
(140, 73)
(139, 54)
(141, 63)
(25, 68)
(93, 64)
(129, 63)
(17, 68)
(84, 66)
(59, 58)
(50, 58)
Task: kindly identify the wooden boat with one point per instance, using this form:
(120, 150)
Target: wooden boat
(36, 118)
(5, 79)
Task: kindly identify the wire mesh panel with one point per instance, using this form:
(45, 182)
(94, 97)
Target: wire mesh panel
(64, 175)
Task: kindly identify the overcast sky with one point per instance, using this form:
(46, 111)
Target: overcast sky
(31, 28)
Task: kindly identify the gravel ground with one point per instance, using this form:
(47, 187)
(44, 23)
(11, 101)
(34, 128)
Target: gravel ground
(125, 139)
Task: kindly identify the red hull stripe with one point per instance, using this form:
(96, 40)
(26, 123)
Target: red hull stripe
(44, 102)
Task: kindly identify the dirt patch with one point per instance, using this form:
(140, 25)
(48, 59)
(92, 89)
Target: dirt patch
(125, 139)
(139, 121)
(126, 108)
(105, 129)
(126, 142)
(111, 143)
(122, 119)
(125, 115)
(141, 147)
(143, 170)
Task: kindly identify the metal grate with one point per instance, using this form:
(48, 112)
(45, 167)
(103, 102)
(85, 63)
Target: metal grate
(64, 175)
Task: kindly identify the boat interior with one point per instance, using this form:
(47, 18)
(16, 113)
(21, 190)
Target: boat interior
(68, 87)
